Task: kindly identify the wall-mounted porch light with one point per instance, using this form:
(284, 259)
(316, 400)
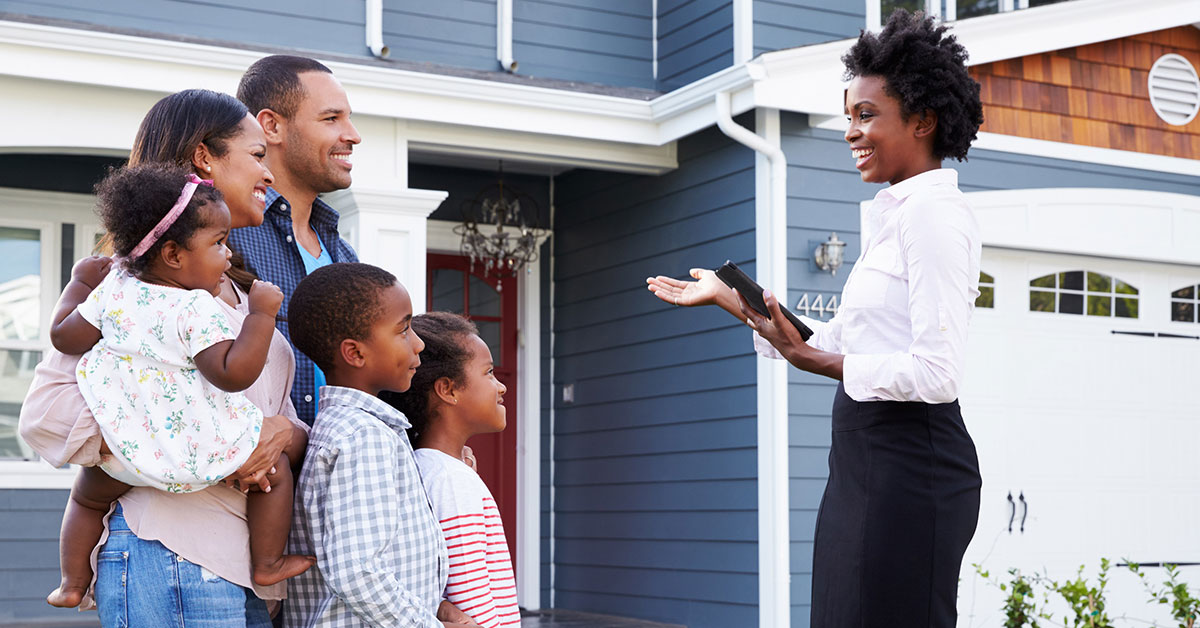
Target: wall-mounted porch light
(828, 255)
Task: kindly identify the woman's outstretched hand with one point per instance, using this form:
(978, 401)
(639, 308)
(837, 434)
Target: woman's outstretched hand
(706, 290)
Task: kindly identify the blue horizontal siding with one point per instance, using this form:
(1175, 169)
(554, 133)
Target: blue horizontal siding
(595, 41)
(780, 24)
(824, 193)
(29, 523)
(655, 461)
(315, 25)
(452, 32)
(695, 39)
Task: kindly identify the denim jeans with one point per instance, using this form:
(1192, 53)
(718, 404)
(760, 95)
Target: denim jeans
(142, 583)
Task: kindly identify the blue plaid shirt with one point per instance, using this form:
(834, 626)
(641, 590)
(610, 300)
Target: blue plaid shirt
(270, 252)
(361, 509)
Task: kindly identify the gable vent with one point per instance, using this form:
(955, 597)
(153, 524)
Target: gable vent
(1174, 89)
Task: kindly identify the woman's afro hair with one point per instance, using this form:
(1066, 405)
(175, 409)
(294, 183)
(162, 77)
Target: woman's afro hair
(925, 69)
(131, 200)
(446, 355)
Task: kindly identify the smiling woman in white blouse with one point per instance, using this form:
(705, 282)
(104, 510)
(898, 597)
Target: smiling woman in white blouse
(902, 499)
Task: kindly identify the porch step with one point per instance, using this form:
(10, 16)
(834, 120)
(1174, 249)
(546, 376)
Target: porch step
(562, 618)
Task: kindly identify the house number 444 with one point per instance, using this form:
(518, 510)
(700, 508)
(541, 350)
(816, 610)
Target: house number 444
(820, 305)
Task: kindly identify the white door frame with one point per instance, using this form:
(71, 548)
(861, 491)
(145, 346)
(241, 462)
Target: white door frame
(442, 239)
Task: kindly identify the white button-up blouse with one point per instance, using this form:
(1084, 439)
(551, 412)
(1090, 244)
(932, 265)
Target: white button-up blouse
(908, 301)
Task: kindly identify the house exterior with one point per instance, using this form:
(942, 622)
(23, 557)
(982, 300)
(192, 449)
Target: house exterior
(654, 467)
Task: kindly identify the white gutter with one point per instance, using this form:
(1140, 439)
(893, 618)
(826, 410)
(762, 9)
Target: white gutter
(770, 210)
(375, 29)
(743, 31)
(504, 35)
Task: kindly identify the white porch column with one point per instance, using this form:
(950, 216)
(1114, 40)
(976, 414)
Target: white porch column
(388, 229)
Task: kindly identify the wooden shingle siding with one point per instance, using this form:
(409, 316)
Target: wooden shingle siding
(695, 39)
(824, 192)
(655, 461)
(29, 523)
(596, 41)
(780, 24)
(316, 25)
(452, 32)
(1094, 95)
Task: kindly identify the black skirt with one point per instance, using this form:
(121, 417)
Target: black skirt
(898, 512)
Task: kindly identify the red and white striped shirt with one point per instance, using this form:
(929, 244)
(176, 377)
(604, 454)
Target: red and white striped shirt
(481, 581)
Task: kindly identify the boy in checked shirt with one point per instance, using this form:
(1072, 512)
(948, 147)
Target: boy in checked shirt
(360, 506)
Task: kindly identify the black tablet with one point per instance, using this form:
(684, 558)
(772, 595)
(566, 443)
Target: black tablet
(752, 293)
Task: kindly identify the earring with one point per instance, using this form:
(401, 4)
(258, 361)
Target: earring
(208, 168)
(455, 400)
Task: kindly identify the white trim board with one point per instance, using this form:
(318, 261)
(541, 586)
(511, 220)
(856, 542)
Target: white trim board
(1116, 223)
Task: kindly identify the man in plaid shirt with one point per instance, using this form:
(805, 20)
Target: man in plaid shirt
(361, 508)
(306, 117)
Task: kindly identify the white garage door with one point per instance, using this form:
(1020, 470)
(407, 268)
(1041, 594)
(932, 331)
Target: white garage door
(1083, 396)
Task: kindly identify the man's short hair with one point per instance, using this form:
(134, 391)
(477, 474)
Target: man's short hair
(334, 303)
(274, 83)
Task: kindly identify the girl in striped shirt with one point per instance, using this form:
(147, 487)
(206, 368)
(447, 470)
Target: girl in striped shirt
(454, 396)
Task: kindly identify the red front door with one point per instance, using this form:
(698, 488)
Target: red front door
(492, 305)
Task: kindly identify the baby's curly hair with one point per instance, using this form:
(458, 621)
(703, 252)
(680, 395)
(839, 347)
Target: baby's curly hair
(445, 355)
(131, 200)
(924, 68)
(333, 303)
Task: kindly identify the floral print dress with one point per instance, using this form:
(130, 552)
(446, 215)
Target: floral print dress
(166, 425)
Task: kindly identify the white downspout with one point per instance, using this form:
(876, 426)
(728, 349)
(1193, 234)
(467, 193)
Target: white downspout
(504, 35)
(774, 547)
(375, 29)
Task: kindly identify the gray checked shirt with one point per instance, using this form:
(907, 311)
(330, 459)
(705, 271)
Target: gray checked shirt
(362, 511)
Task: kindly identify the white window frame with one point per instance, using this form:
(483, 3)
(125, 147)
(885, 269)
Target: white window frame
(52, 209)
(934, 7)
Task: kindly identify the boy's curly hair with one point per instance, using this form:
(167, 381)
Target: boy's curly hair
(924, 68)
(333, 303)
(445, 355)
(131, 200)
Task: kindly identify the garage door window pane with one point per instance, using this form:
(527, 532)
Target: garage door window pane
(1044, 282)
(1185, 303)
(1183, 312)
(1127, 308)
(1040, 301)
(1099, 305)
(987, 291)
(1070, 303)
(1071, 281)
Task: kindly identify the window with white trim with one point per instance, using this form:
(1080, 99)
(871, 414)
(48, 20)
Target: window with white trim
(1083, 292)
(947, 10)
(987, 291)
(1185, 303)
(22, 323)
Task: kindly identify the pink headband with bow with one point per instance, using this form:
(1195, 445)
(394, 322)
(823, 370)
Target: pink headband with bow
(185, 197)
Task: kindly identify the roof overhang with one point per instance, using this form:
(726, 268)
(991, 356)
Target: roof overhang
(806, 79)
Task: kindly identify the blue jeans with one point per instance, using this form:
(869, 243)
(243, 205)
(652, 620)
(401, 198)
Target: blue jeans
(142, 583)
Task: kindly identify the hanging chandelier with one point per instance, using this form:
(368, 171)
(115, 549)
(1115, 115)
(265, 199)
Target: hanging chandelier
(495, 231)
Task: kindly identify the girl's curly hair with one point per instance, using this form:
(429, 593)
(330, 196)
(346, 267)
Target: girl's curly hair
(131, 201)
(446, 354)
(925, 69)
